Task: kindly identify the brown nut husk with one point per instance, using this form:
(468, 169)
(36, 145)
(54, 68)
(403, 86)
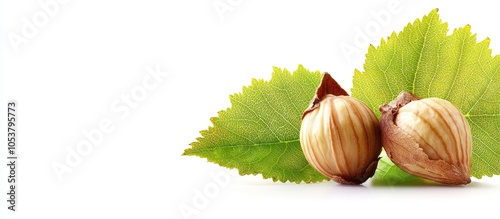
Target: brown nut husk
(429, 138)
(340, 135)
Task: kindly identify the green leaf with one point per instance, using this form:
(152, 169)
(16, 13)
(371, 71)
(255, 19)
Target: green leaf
(259, 134)
(388, 174)
(426, 60)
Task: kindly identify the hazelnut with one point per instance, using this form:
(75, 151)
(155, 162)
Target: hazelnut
(429, 138)
(340, 135)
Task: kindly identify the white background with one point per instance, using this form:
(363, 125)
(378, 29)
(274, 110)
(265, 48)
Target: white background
(89, 54)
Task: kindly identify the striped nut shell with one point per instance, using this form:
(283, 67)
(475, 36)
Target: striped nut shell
(429, 138)
(340, 135)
